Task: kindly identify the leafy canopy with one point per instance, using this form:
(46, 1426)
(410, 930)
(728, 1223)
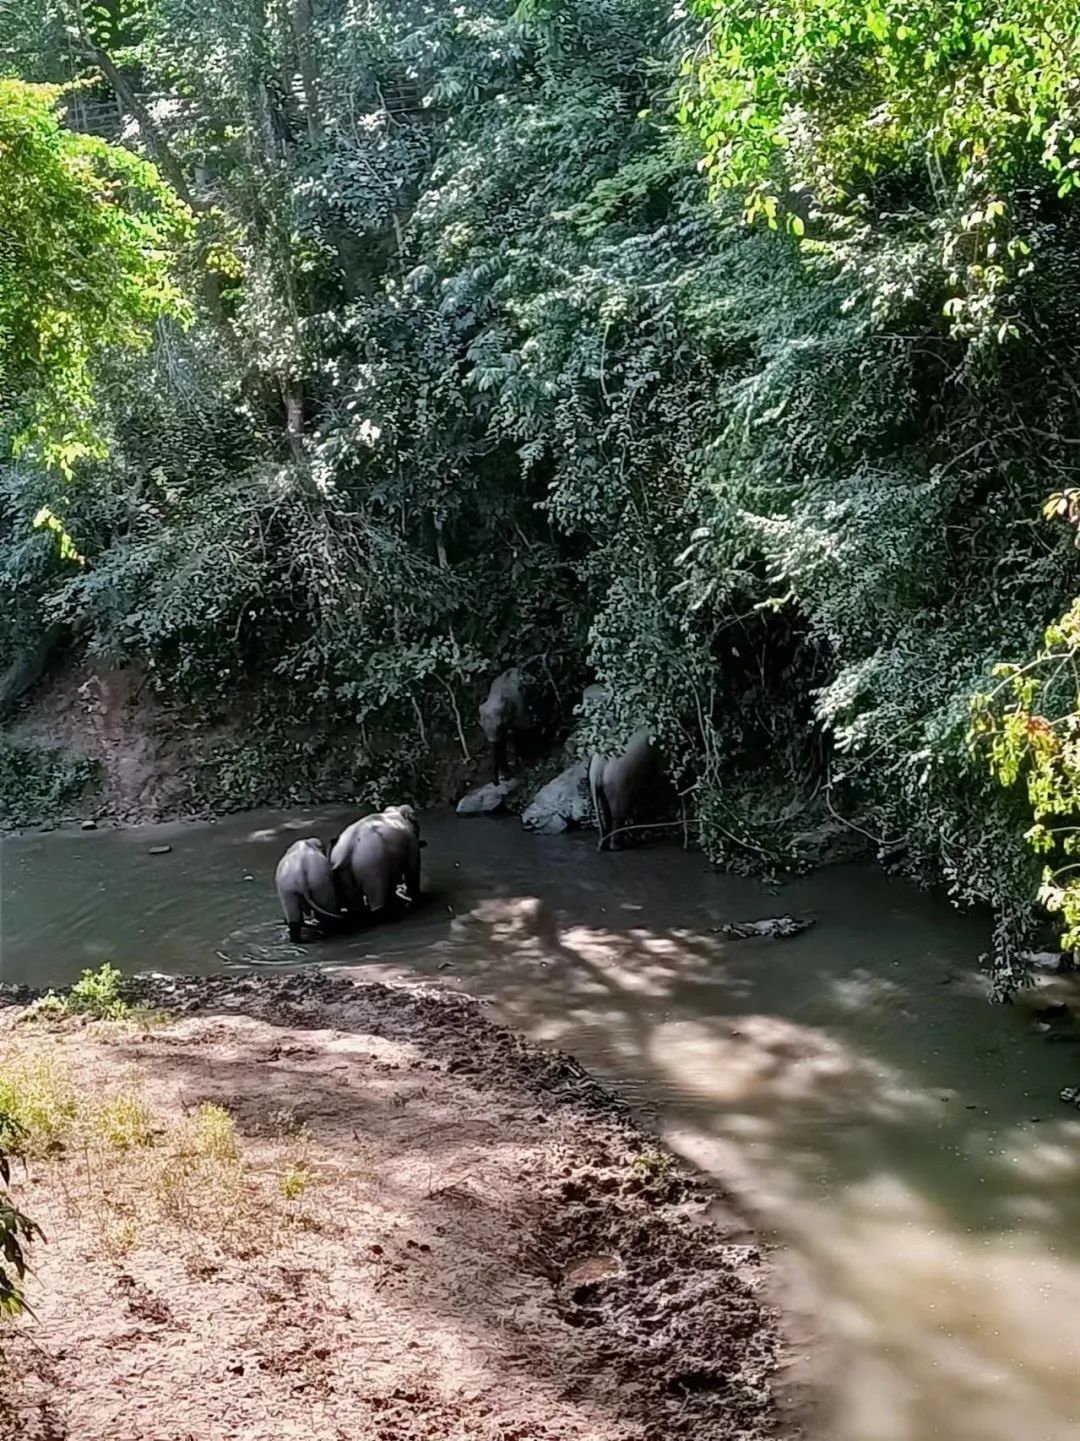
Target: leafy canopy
(925, 116)
(85, 265)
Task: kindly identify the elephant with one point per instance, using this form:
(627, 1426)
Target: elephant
(305, 887)
(505, 717)
(618, 785)
(373, 856)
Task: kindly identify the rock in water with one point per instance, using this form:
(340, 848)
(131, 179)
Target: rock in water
(160, 850)
(1045, 960)
(562, 803)
(830, 844)
(89, 825)
(487, 800)
(773, 929)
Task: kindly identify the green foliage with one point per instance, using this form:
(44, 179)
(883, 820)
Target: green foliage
(38, 1105)
(17, 1231)
(851, 123)
(97, 994)
(84, 266)
(213, 1133)
(490, 376)
(122, 1122)
(38, 784)
(294, 1181)
(1028, 729)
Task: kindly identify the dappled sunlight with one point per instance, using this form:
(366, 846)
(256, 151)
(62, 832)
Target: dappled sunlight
(967, 1327)
(1051, 1158)
(767, 1061)
(864, 991)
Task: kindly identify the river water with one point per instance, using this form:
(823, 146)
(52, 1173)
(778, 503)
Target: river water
(902, 1139)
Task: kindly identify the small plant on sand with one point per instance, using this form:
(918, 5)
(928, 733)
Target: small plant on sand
(116, 1234)
(38, 1106)
(199, 1181)
(17, 1231)
(286, 1122)
(49, 1007)
(122, 1122)
(653, 1166)
(97, 994)
(295, 1181)
(214, 1132)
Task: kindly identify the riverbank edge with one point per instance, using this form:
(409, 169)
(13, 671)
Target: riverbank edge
(676, 1217)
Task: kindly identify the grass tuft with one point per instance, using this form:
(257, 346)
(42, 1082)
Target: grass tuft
(214, 1133)
(121, 1123)
(294, 1182)
(38, 1105)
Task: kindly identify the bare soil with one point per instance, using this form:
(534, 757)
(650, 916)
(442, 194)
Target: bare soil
(431, 1230)
(146, 753)
(157, 761)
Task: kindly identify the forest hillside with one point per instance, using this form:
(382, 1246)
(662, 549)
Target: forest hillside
(727, 357)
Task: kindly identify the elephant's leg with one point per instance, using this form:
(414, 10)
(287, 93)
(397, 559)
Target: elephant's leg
(412, 878)
(292, 907)
(600, 804)
(619, 808)
(498, 757)
(348, 892)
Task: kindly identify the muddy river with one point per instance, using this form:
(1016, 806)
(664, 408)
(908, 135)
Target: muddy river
(899, 1137)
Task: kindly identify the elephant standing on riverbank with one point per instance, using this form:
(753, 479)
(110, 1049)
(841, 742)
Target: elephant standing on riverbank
(620, 784)
(504, 718)
(305, 887)
(375, 855)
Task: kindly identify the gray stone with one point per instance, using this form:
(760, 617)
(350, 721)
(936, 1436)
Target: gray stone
(562, 803)
(487, 800)
(1044, 960)
(89, 825)
(160, 850)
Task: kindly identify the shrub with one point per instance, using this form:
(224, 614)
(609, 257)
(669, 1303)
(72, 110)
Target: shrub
(38, 1105)
(97, 994)
(123, 1122)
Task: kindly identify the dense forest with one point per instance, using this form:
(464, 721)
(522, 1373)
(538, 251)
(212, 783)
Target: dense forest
(728, 358)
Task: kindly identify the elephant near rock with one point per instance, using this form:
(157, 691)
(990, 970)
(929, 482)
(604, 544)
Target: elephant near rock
(373, 856)
(505, 718)
(305, 887)
(620, 785)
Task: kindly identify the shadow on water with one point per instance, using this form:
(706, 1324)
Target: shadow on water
(902, 1138)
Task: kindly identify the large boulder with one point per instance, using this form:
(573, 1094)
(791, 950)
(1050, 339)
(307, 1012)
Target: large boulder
(487, 800)
(562, 803)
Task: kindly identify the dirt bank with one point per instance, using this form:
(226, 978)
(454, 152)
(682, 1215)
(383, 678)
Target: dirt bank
(306, 1207)
(155, 759)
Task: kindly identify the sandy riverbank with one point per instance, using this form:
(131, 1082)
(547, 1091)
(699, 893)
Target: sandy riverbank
(305, 1207)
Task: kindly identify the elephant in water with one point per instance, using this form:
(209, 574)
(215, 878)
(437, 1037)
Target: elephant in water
(305, 887)
(619, 784)
(375, 855)
(504, 717)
